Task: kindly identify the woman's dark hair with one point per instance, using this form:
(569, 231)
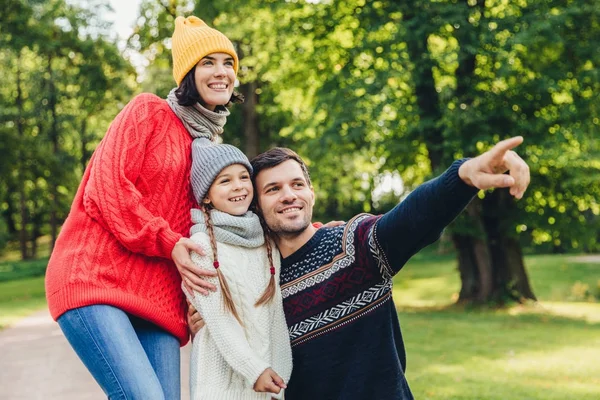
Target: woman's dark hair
(187, 94)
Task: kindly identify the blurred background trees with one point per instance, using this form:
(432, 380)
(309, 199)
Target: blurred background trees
(378, 96)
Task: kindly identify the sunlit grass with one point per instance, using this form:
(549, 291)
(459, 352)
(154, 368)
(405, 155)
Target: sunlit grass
(22, 283)
(495, 355)
(14, 270)
(545, 350)
(20, 298)
(429, 280)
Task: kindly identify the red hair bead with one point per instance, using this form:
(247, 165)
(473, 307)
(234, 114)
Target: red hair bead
(272, 270)
(216, 264)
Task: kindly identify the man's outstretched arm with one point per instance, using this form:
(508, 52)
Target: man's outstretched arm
(420, 219)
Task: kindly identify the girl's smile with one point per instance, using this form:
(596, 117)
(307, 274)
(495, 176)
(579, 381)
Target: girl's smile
(232, 191)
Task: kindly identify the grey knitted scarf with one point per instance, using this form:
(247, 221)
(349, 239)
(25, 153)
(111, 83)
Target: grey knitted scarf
(199, 121)
(243, 230)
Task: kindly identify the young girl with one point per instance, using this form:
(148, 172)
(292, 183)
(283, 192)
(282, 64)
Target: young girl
(244, 352)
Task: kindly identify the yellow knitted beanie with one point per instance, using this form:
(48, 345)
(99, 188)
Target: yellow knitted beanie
(192, 40)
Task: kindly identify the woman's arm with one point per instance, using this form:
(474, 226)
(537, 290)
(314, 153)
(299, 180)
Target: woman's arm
(111, 196)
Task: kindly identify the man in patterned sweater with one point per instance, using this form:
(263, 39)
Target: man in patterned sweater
(337, 282)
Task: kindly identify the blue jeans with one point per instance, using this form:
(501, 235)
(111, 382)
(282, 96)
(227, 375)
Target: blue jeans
(130, 358)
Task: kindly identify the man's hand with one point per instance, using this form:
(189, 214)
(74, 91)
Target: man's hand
(487, 170)
(190, 274)
(194, 320)
(269, 382)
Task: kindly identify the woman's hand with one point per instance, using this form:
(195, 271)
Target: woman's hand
(330, 224)
(191, 275)
(269, 382)
(333, 224)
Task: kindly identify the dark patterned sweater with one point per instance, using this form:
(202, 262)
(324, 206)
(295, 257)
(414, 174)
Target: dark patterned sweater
(346, 338)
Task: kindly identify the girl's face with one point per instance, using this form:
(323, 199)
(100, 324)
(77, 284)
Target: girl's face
(231, 192)
(214, 77)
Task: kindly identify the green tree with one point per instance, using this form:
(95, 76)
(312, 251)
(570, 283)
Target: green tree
(362, 89)
(66, 76)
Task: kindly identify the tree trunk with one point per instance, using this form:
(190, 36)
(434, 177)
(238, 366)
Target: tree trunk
(35, 234)
(11, 210)
(85, 153)
(427, 97)
(250, 116)
(55, 147)
(510, 277)
(467, 267)
(21, 168)
(474, 252)
(489, 261)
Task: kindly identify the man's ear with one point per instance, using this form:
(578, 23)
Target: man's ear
(312, 190)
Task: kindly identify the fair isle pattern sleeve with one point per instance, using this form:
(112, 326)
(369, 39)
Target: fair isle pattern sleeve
(380, 258)
(111, 196)
(334, 286)
(226, 332)
(340, 262)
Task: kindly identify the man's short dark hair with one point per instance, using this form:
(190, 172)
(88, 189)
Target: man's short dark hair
(274, 157)
(187, 93)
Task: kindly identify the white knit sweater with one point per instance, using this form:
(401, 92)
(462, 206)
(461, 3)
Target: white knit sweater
(228, 358)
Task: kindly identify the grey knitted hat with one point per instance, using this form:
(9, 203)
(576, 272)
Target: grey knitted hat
(208, 160)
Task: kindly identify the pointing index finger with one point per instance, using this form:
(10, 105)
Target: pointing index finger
(505, 145)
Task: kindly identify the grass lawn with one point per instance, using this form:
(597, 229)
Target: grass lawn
(474, 355)
(430, 280)
(20, 298)
(548, 350)
(21, 288)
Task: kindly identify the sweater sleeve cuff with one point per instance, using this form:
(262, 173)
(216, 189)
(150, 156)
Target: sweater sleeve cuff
(454, 184)
(251, 369)
(167, 240)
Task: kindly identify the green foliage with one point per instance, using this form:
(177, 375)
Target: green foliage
(339, 82)
(15, 270)
(359, 88)
(65, 80)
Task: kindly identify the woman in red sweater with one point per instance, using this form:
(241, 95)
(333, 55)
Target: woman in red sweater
(113, 280)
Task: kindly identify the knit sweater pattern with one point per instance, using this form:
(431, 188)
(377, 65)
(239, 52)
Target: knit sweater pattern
(337, 296)
(227, 358)
(130, 209)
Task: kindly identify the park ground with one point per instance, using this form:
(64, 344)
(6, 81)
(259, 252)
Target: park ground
(545, 350)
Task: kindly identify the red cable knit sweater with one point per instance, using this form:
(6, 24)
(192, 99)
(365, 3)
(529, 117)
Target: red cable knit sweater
(132, 206)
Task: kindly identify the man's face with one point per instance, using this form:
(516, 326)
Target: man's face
(285, 198)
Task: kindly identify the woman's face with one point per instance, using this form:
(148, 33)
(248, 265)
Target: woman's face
(232, 191)
(214, 77)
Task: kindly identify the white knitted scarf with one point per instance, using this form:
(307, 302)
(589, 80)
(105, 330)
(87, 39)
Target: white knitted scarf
(199, 121)
(243, 230)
